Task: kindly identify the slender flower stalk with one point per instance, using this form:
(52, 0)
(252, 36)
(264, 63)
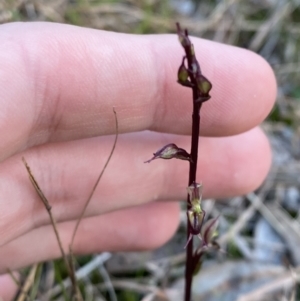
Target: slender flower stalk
(190, 75)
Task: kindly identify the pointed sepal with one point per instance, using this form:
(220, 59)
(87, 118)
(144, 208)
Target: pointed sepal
(170, 151)
(195, 193)
(209, 230)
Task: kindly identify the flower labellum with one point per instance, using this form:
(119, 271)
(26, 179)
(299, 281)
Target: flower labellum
(195, 214)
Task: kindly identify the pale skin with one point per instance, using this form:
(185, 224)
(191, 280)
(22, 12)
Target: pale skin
(58, 87)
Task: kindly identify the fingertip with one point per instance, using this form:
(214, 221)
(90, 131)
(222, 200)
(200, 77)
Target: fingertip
(265, 77)
(161, 228)
(143, 227)
(8, 288)
(243, 94)
(246, 161)
(70, 95)
(258, 162)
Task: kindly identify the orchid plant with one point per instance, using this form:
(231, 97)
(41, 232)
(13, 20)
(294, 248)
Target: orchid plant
(190, 75)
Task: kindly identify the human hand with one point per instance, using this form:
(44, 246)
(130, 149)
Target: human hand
(58, 87)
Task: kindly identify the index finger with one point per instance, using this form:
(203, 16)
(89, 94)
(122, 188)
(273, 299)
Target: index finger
(60, 82)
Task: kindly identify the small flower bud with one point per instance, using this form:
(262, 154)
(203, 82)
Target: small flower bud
(170, 151)
(183, 74)
(204, 86)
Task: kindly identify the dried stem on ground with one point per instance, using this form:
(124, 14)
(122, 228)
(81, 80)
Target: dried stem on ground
(96, 183)
(69, 262)
(54, 225)
(24, 289)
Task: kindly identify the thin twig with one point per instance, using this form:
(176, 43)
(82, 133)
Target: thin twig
(13, 277)
(47, 206)
(287, 280)
(107, 281)
(136, 287)
(97, 182)
(82, 272)
(54, 225)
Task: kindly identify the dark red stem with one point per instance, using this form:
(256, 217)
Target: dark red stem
(189, 268)
(200, 86)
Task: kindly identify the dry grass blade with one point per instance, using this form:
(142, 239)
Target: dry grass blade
(28, 283)
(96, 184)
(36, 283)
(110, 287)
(13, 277)
(47, 206)
(70, 263)
(81, 273)
(247, 214)
(270, 24)
(285, 281)
(149, 297)
(54, 225)
(288, 228)
(136, 287)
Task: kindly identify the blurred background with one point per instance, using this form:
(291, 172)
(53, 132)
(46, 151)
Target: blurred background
(259, 234)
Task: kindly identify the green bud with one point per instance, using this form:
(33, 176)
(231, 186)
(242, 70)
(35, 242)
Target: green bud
(182, 73)
(204, 85)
